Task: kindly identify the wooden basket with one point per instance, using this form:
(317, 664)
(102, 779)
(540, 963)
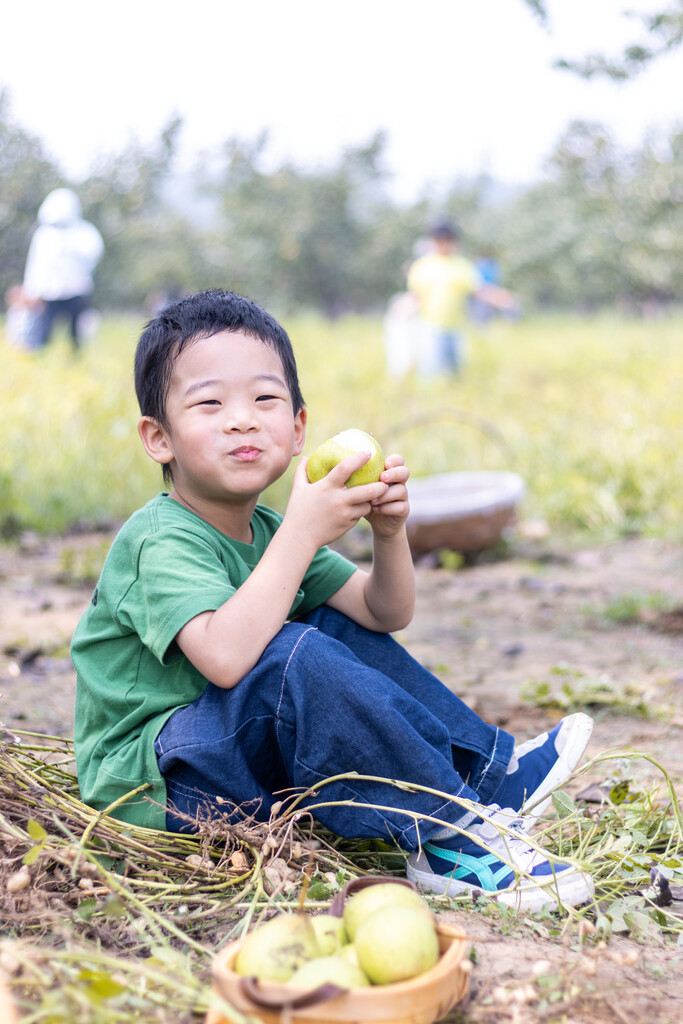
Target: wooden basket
(420, 1000)
(465, 512)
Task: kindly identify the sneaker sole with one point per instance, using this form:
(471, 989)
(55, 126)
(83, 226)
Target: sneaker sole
(575, 734)
(572, 888)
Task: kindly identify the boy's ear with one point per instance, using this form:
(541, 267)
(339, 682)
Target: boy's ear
(155, 439)
(300, 431)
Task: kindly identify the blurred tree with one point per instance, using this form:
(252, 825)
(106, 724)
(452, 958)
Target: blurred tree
(604, 227)
(653, 251)
(26, 176)
(149, 246)
(539, 9)
(663, 32)
(326, 238)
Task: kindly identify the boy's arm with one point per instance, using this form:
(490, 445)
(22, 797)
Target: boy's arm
(383, 600)
(227, 643)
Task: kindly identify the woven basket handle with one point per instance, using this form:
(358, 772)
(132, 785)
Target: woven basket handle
(322, 994)
(356, 884)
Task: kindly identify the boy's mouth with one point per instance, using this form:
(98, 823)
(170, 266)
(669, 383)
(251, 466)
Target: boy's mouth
(245, 453)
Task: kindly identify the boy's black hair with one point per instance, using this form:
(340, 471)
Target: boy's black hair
(201, 316)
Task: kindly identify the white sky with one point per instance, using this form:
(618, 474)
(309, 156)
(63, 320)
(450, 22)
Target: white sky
(460, 86)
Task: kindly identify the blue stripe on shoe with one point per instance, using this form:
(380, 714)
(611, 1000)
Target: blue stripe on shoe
(480, 867)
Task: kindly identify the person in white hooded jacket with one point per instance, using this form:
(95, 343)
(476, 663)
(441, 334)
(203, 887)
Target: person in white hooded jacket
(62, 256)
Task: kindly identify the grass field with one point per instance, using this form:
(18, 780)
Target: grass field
(588, 411)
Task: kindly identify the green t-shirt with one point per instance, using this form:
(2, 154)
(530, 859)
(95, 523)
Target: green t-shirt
(166, 565)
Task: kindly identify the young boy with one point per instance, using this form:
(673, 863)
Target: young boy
(229, 655)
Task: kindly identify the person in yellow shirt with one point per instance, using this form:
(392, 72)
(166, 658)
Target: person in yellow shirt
(441, 282)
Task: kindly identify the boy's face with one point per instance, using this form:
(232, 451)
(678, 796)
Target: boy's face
(232, 427)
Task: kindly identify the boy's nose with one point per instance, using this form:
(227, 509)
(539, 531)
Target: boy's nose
(240, 418)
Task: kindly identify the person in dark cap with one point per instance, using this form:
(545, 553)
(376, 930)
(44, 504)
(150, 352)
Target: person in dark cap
(442, 281)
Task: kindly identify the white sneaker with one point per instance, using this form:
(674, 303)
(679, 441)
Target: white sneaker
(513, 873)
(541, 765)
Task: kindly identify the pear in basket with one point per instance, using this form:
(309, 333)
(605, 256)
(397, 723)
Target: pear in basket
(367, 901)
(395, 944)
(330, 933)
(329, 969)
(348, 952)
(277, 948)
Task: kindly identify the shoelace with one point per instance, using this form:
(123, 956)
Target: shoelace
(514, 849)
(500, 815)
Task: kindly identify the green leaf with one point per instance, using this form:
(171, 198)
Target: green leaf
(603, 927)
(113, 907)
(640, 839)
(36, 831)
(167, 955)
(638, 922)
(619, 844)
(101, 984)
(32, 855)
(622, 913)
(109, 863)
(618, 920)
(563, 804)
(619, 792)
(86, 908)
(318, 891)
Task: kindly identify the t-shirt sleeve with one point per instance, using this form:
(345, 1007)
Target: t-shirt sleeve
(179, 575)
(326, 574)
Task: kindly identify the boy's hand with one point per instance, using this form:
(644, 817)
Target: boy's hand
(327, 509)
(389, 511)
(383, 599)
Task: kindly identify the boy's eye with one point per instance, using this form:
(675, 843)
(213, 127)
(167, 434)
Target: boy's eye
(209, 401)
(266, 398)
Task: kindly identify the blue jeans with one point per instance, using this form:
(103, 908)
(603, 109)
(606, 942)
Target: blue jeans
(326, 698)
(440, 351)
(69, 308)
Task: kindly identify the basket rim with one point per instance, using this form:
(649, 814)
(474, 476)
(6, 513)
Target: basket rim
(452, 497)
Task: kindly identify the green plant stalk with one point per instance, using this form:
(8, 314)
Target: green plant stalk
(611, 755)
(156, 920)
(417, 818)
(106, 812)
(186, 988)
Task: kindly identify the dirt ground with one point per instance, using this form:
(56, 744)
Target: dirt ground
(604, 622)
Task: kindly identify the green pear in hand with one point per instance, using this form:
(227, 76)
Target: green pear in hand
(331, 452)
